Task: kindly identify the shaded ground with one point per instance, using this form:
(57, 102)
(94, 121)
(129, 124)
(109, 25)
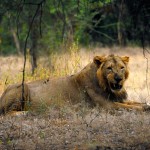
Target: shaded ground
(85, 129)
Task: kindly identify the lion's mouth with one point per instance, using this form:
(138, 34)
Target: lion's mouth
(115, 86)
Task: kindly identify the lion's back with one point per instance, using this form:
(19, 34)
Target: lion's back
(54, 89)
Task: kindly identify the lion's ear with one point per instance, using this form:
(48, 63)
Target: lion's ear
(125, 59)
(98, 60)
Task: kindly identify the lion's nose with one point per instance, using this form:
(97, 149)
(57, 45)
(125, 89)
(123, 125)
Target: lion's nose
(117, 78)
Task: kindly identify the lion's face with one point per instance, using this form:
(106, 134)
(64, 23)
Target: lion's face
(112, 71)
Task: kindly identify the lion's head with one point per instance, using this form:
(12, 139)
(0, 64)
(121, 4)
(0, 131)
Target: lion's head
(112, 72)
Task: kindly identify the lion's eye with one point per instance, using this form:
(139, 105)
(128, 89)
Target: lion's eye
(109, 68)
(122, 68)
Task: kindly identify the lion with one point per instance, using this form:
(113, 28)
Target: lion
(100, 83)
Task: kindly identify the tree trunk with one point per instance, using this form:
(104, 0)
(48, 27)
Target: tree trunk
(121, 25)
(33, 59)
(33, 49)
(16, 41)
(34, 36)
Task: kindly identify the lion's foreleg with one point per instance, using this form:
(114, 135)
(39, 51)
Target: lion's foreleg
(98, 100)
(145, 106)
(132, 105)
(128, 102)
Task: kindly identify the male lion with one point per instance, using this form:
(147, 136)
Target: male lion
(99, 83)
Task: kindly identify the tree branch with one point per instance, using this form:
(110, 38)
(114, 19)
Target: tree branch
(39, 6)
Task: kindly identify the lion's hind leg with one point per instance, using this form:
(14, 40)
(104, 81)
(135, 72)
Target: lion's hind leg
(12, 97)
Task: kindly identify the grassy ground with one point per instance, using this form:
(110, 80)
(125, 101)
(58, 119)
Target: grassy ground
(61, 127)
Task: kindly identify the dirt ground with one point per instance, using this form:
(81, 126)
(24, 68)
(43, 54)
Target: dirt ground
(62, 126)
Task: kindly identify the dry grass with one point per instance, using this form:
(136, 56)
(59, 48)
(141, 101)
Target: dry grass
(61, 127)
